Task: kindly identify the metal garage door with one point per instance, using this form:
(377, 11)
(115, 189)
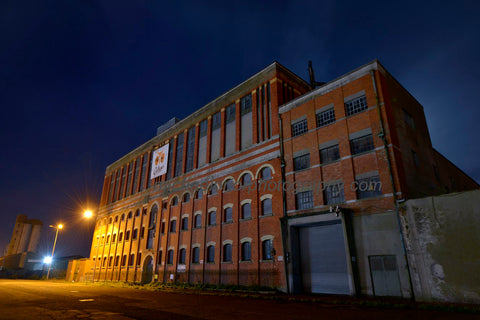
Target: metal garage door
(323, 259)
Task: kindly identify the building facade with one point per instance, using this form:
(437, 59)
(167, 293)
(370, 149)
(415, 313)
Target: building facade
(275, 184)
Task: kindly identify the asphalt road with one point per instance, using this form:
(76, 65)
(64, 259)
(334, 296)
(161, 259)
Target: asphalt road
(25, 299)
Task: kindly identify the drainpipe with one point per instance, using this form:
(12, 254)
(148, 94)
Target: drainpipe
(284, 223)
(390, 171)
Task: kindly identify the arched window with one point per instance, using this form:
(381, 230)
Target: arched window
(108, 238)
(127, 235)
(114, 237)
(120, 237)
(211, 253)
(153, 216)
(246, 211)
(104, 263)
(213, 190)
(123, 217)
(228, 215)
(246, 179)
(197, 222)
(130, 215)
(182, 256)
(170, 256)
(110, 220)
(124, 260)
(267, 250)
(131, 260)
(137, 213)
(246, 251)
(212, 218)
(160, 254)
(186, 197)
(227, 253)
(266, 207)
(135, 234)
(116, 218)
(117, 259)
(199, 194)
(175, 201)
(173, 225)
(196, 255)
(228, 186)
(139, 259)
(185, 223)
(266, 173)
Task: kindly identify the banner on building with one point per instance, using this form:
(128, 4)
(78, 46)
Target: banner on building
(159, 162)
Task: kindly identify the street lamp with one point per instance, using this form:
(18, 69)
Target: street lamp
(88, 214)
(49, 261)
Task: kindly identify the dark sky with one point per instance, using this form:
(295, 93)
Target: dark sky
(83, 82)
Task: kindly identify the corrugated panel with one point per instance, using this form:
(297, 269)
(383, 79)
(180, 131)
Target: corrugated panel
(323, 259)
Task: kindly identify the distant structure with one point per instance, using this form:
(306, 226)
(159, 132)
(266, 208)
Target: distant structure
(24, 242)
(26, 235)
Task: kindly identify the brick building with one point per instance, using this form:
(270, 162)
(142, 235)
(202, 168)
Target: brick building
(266, 185)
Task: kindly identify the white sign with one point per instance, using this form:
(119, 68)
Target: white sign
(181, 268)
(159, 162)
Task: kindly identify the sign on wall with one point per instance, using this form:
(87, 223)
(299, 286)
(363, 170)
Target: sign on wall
(159, 162)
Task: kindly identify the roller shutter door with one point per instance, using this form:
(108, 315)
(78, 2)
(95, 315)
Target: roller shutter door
(323, 259)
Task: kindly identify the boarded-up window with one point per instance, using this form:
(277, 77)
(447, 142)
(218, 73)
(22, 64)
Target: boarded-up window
(170, 159)
(179, 155)
(215, 146)
(190, 149)
(246, 113)
(230, 130)
(202, 143)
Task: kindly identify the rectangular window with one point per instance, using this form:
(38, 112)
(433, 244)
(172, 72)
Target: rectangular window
(170, 159)
(179, 155)
(129, 178)
(408, 119)
(136, 175)
(325, 117)
(112, 184)
(202, 143)
(144, 171)
(304, 200)
(301, 162)
(117, 184)
(334, 194)
(356, 105)
(415, 158)
(190, 149)
(246, 121)
(369, 187)
(299, 128)
(230, 130)
(330, 154)
(362, 144)
(124, 178)
(215, 143)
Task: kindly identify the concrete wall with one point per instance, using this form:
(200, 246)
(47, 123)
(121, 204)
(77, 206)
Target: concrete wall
(377, 235)
(443, 239)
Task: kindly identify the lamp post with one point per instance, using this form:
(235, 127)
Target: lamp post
(58, 227)
(88, 214)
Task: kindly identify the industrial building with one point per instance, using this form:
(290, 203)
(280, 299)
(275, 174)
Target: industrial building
(277, 182)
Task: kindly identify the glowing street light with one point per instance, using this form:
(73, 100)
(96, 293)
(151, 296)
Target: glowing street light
(49, 259)
(88, 214)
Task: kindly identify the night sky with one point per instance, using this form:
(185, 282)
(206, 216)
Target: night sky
(83, 82)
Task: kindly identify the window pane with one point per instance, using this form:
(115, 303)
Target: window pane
(246, 211)
(299, 128)
(356, 105)
(267, 250)
(246, 251)
(334, 194)
(304, 200)
(369, 187)
(301, 162)
(329, 154)
(362, 144)
(325, 117)
(267, 207)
